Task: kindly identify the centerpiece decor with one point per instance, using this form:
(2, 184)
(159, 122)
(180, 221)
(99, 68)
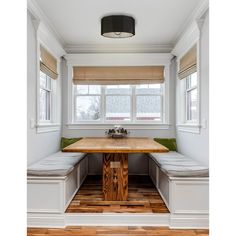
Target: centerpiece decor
(117, 132)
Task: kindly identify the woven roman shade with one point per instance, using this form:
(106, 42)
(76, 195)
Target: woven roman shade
(48, 63)
(118, 75)
(188, 63)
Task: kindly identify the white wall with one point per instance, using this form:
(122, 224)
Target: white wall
(38, 144)
(197, 145)
(138, 163)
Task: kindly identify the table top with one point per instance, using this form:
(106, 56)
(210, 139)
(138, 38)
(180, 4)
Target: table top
(111, 145)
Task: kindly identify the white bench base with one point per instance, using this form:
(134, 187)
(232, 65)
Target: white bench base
(54, 194)
(186, 198)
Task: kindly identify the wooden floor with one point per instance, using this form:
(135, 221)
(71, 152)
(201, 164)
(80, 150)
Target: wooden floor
(131, 231)
(142, 198)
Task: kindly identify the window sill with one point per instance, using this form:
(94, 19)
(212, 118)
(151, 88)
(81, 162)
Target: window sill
(140, 126)
(48, 127)
(190, 128)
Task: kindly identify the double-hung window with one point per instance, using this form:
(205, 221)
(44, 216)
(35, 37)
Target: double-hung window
(191, 98)
(47, 101)
(188, 99)
(45, 97)
(118, 103)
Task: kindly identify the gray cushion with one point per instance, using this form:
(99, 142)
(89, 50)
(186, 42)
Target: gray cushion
(46, 170)
(57, 164)
(175, 164)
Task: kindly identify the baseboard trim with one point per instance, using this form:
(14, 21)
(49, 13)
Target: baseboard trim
(189, 221)
(46, 220)
(173, 221)
(116, 219)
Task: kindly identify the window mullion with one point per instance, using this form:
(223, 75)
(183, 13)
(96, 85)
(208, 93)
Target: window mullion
(133, 104)
(103, 103)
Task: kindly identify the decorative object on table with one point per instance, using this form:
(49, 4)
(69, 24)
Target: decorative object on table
(117, 132)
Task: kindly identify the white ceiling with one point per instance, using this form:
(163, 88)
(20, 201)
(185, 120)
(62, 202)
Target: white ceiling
(158, 22)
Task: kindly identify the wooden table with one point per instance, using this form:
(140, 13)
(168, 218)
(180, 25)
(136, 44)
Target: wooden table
(115, 160)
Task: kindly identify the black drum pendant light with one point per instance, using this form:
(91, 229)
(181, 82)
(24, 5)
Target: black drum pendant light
(118, 26)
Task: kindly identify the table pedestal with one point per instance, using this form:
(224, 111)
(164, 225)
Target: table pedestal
(115, 176)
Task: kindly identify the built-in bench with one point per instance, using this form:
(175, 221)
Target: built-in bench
(184, 186)
(53, 181)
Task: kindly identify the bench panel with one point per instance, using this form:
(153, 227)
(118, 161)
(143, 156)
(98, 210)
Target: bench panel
(43, 197)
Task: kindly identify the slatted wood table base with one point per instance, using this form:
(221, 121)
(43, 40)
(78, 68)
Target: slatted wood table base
(115, 176)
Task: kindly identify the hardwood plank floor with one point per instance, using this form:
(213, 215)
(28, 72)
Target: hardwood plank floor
(142, 198)
(131, 231)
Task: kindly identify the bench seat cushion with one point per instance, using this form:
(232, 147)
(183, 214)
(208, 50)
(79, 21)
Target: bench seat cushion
(40, 169)
(57, 164)
(175, 164)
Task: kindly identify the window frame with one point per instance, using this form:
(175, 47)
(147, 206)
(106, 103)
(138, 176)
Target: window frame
(133, 95)
(188, 90)
(162, 108)
(84, 95)
(182, 123)
(104, 107)
(52, 125)
(50, 91)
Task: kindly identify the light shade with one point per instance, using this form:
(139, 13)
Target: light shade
(118, 26)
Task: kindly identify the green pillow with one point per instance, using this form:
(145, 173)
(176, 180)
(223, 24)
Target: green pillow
(68, 141)
(170, 143)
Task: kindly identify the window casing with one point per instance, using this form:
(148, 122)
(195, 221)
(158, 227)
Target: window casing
(123, 104)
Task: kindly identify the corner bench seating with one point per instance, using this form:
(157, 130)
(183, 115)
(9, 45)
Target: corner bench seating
(183, 184)
(53, 181)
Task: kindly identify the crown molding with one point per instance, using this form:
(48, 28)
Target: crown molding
(192, 33)
(37, 12)
(118, 59)
(198, 12)
(190, 37)
(114, 48)
(45, 37)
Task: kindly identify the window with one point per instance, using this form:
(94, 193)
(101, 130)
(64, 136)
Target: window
(87, 103)
(191, 98)
(45, 97)
(149, 102)
(118, 103)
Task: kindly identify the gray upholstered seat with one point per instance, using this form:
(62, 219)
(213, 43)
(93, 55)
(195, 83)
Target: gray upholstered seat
(57, 164)
(177, 165)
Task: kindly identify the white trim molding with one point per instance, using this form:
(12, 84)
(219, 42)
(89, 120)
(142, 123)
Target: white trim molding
(126, 126)
(109, 48)
(117, 219)
(48, 127)
(118, 59)
(37, 12)
(190, 128)
(190, 23)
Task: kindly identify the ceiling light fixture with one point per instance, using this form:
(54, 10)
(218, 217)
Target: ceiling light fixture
(117, 26)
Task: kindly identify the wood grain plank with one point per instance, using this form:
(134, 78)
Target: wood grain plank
(131, 231)
(115, 177)
(111, 145)
(142, 197)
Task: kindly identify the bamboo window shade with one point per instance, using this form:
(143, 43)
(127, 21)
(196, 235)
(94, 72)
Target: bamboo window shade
(188, 63)
(118, 75)
(48, 63)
